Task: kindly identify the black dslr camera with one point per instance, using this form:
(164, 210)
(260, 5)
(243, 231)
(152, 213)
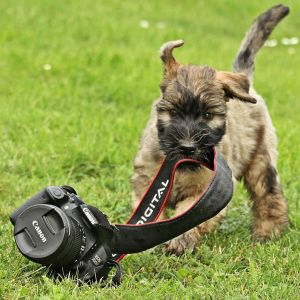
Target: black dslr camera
(57, 229)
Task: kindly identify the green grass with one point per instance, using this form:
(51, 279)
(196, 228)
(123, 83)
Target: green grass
(80, 122)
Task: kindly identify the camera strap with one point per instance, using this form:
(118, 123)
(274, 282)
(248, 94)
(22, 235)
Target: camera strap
(142, 231)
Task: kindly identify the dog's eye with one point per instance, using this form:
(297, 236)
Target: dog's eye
(208, 116)
(173, 112)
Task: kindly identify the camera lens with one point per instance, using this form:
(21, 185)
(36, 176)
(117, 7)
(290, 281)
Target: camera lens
(46, 235)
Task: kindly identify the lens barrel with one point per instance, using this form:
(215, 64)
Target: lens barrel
(46, 235)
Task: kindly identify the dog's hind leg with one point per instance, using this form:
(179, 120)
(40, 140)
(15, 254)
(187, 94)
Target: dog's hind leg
(269, 205)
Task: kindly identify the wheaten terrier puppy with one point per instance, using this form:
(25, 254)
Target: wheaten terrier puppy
(200, 107)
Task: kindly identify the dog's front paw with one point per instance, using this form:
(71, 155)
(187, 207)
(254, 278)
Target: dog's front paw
(188, 240)
(265, 230)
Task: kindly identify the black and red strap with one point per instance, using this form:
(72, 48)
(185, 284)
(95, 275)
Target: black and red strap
(142, 231)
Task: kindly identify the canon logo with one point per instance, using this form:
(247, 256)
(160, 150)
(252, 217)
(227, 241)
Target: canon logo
(39, 231)
(89, 215)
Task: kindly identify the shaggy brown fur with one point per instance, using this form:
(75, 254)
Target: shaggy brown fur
(200, 107)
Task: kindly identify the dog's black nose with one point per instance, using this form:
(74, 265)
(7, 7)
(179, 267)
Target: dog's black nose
(187, 149)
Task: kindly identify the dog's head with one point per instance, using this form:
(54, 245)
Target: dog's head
(191, 114)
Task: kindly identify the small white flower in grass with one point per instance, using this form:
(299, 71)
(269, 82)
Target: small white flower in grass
(47, 67)
(271, 43)
(144, 24)
(294, 41)
(160, 25)
(285, 41)
(288, 42)
(143, 281)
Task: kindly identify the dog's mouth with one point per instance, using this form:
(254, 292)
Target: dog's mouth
(202, 155)
(178, 155)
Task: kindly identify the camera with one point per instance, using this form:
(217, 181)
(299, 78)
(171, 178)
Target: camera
(57, 229)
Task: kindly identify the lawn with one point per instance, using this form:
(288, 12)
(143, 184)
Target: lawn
(77, 79)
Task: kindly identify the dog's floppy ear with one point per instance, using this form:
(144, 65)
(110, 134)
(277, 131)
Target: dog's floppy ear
(170, 64)
(235, 85)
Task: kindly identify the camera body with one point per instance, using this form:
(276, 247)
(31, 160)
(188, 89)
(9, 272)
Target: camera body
(57, 229)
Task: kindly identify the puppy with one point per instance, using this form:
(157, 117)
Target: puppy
(199, 108)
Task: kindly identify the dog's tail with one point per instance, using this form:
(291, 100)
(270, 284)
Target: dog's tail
(256, 37)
